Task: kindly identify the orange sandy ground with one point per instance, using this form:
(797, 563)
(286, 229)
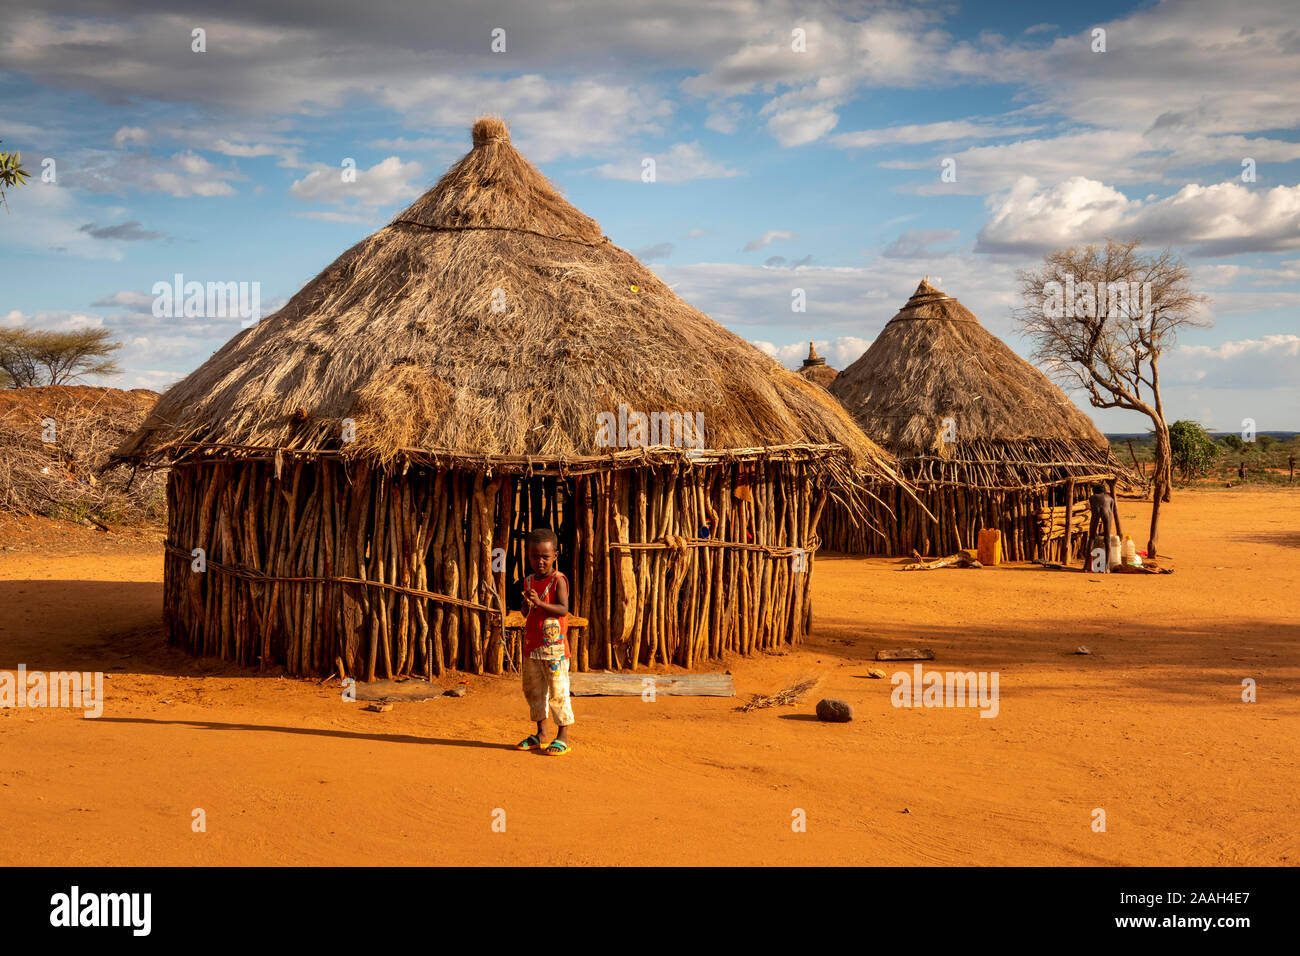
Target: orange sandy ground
(1151, 728)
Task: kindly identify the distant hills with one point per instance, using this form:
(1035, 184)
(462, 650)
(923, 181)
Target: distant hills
(1143, 436)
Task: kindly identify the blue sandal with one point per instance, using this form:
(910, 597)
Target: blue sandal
(557, 748)
(529, 742)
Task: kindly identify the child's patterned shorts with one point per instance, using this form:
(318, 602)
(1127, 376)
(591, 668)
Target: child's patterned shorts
(548, 689)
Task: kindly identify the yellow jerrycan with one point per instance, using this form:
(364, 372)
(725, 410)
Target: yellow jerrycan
(990, 547)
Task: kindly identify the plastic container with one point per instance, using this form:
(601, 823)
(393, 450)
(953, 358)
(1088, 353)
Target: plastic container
(1128, 552)
(990, 547)
(1113, 552)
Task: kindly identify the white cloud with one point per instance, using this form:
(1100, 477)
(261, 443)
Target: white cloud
(156, 380)
(927, 133)
(917, 243)
(845, 52)
(130, 135)
(893, 47)
(680, 163)
(1282, 346)
(1241, 303)
(1219, 66)
(245, 150)
(44, 217)
(725, 116)
(1218, 274)
(1261, 364)
(802, 124)
(1030, 218)
(839, 352)
(126, 298)
(840, 300)
(769, 237)
(660, 250)
(53, 320)
(1128, 156)
(1223, 219)
(154, 350)
(384, 183)
(183, 174)
(422, 144)
(549, 119)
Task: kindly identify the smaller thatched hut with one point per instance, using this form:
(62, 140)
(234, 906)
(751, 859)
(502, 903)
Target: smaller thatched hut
(988, 440)
(815, 369)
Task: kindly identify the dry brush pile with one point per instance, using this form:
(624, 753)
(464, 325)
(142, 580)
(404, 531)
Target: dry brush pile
(54, 440)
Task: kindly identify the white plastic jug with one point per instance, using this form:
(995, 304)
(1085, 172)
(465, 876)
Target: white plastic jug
(1113, 552)
(1129, 551)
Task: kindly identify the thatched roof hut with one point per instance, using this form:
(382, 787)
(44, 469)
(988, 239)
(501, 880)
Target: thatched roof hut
(986, 435)
(815, 369)
(361, 467)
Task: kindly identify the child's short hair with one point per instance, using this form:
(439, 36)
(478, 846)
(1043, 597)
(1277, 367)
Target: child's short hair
(538, 535)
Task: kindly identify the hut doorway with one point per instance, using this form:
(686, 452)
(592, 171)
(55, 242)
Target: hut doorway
(540, 501)
(506, 515)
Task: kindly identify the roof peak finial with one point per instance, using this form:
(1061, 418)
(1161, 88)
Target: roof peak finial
(488, 129)
(925, 288)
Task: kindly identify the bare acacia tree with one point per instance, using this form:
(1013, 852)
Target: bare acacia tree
(1100, 319)
(35, 357)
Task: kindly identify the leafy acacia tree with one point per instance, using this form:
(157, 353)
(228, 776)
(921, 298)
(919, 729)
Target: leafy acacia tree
(1100, 318)
(1193, 449)
(12, 174)
(1233, 442)
(35, 357)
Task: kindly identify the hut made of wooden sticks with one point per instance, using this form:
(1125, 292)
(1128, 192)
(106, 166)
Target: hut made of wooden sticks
(361, 468)
(987, 439)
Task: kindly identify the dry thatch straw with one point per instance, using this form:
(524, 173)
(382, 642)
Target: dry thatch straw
(815, 369)
(786, 697)
(969, 418)
(491, 318)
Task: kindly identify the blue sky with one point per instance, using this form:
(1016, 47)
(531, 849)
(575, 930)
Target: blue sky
(776, 168)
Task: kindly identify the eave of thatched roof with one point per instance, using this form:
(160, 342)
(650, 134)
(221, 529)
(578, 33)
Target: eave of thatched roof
(1010, 425)
(490, 321)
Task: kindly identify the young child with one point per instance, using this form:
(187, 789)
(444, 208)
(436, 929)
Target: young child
(546, 647)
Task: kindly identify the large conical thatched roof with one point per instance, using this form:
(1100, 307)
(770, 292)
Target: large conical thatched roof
(934, 361)
(489, 319)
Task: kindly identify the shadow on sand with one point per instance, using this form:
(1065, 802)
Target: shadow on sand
(314, 732)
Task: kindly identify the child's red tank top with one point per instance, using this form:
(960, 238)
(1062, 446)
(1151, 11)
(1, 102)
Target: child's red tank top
(545, 590)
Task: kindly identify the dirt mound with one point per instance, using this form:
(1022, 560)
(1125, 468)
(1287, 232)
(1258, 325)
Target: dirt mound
(30, 405)
(54, 439)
